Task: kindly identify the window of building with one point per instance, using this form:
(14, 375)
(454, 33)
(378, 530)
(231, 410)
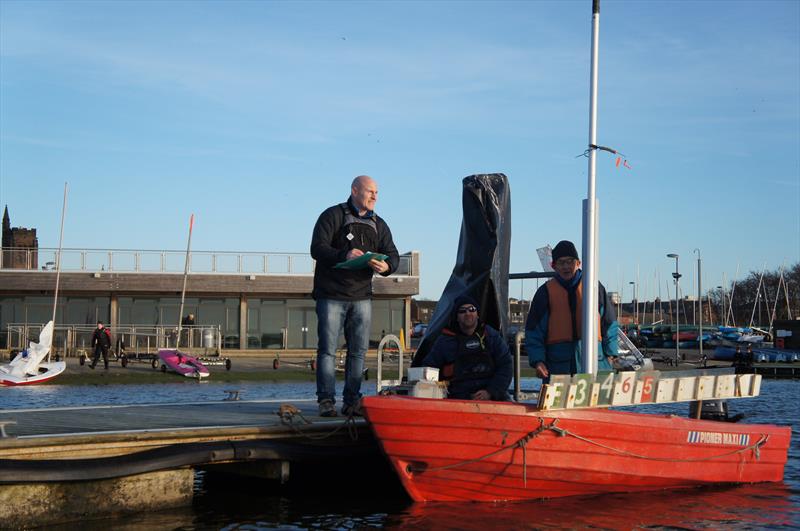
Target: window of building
(388, 317)
(266, 323)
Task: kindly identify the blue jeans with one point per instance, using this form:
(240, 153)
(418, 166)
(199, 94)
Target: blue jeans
(355, 317)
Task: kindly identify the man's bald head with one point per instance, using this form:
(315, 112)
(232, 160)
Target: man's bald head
(364, 192)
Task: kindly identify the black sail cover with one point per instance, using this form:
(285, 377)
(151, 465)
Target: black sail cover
(481, 269)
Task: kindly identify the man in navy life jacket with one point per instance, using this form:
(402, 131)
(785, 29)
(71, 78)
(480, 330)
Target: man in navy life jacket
(553, 328)
(472, 356)
(101, 341)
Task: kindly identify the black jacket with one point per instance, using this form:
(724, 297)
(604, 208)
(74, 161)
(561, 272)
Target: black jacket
(492, 370)
(337, 231)
(102, 337)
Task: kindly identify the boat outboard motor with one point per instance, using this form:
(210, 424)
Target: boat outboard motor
(713, 410)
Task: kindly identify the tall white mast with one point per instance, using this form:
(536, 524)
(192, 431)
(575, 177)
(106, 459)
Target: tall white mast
(58, 268)
(185, 277)
(589, 330)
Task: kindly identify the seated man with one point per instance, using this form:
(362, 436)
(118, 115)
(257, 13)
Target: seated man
(471, 356)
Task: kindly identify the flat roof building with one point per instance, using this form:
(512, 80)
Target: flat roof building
(258, 300)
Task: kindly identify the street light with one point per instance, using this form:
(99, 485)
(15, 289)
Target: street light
(635, 304)
(677, 277)
(700, 301)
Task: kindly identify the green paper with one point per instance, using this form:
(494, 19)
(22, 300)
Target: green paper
(360, 262)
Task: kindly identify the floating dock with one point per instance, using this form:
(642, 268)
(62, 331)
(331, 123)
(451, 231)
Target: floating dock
(84, 461)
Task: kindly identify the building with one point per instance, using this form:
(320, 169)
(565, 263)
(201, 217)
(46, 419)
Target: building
(422, 311)
(518, 311)
(20, 246)
(255, 300)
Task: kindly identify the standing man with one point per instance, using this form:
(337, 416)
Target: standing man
(344, 296)
(553, 328)
(471, 355)
(101, 341)
(186, 324)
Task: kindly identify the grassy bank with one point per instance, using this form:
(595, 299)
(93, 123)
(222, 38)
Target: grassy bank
(82, 375)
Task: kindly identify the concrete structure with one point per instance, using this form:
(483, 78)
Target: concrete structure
(71, 463)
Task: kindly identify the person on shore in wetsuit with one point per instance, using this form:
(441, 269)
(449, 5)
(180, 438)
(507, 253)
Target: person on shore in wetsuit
(101, 342)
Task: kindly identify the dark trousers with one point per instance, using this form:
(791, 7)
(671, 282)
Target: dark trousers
(97, 350)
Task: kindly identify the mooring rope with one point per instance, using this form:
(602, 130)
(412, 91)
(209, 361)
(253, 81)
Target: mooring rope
(522, 443)
(287, 414)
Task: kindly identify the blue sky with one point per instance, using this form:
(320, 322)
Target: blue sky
(256, 116)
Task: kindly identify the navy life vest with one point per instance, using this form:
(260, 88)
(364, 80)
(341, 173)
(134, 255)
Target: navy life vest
(472, 362)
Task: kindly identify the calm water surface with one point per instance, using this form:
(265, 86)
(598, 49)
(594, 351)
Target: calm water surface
(332, 503)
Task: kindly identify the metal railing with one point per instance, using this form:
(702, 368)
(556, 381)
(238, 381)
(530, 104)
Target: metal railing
(71, 340)
(153, 261)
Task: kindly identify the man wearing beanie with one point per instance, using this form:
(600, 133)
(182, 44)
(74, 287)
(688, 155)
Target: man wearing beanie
(553, 328)
(472, 356)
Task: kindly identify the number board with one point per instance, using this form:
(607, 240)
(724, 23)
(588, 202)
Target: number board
(645, 392)
(554, 394)
(583, 390)
(606, 393)
(623, 388)
(630, 388)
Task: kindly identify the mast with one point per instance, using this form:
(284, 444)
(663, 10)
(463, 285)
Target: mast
(58, 269)
(185, 276)
(589, 330)
(758, 295)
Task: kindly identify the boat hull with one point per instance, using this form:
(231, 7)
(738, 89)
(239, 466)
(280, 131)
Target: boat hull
(454, 450)
(183, 364)
(47, 371)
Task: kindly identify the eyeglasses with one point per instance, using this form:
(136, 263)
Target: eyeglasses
(470, 309)
(566, 261)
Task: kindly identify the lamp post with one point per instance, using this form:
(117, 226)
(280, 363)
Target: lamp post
(635, 304)
(677, 277)
(700, 301)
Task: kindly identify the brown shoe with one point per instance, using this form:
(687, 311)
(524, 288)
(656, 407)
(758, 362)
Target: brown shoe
(327, 408)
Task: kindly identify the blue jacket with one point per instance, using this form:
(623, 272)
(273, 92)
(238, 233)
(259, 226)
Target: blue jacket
(565, 357)
(445, 352)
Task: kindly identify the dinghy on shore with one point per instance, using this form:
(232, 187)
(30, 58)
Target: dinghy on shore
(28, 367)
(176, 361)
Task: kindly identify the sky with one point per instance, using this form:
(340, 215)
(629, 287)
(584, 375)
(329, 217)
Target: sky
(256, 116)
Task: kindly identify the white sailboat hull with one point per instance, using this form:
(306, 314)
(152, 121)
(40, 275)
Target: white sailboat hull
(28, 367)
(46, 372)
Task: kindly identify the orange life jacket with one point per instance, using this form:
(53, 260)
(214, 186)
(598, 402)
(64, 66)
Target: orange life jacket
(559, 324)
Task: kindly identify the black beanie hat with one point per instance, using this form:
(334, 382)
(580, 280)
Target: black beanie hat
(565, 248)
(461, 300)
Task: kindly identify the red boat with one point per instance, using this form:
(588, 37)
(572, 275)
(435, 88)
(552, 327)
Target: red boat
(457, 450)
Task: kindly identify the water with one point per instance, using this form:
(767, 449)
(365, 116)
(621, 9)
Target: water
(333, 503)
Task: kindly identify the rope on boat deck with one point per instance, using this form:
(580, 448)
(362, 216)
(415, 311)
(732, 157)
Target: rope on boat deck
(561, 432)
(287, 413)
